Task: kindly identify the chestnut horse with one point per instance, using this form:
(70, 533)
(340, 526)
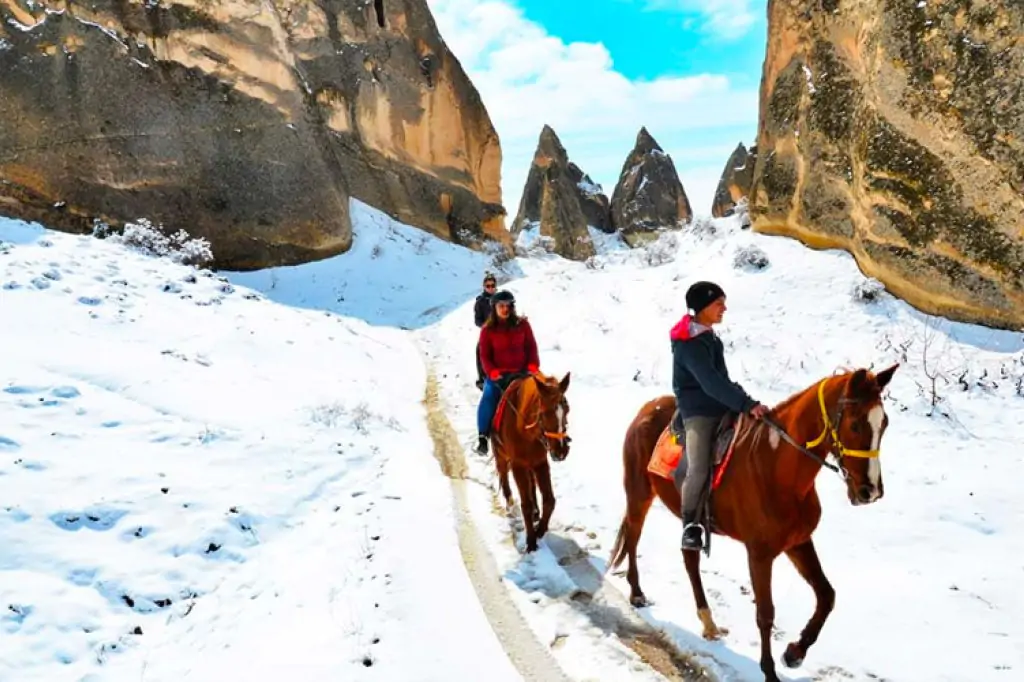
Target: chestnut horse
(766, 498)
(531, 424)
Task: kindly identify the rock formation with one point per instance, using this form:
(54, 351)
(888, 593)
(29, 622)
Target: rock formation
(562, 199)
(248, 123)
(895, 130)
(737, 177)
(649, 195)
(594, 202)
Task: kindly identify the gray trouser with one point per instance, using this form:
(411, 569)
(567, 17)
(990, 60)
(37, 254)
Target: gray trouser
(700, 434)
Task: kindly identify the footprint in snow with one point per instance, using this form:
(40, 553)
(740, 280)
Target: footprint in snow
(16, 515)
(8, 445)
(21, 390)
(16, 614)
(40, 283)
(31, 465)
(96, 518)
(89, 300)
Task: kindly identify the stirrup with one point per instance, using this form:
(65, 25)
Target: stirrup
(693, 539)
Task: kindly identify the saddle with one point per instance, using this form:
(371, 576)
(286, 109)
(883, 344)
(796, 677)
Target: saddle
(668, 460)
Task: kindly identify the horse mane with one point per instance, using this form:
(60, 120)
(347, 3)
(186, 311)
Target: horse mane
(845, 372)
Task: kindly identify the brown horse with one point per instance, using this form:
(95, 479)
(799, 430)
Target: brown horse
(532, 424)
(766, 498)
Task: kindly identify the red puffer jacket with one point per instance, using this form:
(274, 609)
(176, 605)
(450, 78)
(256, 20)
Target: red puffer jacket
(505, 349)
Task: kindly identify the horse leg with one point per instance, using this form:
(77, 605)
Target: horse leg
(711, 631)
(535, 517)
(542, 474)
(761, 579)
(506, 490)
(524, 481)
(805, 560)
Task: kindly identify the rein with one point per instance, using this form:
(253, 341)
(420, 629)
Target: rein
(831, 428)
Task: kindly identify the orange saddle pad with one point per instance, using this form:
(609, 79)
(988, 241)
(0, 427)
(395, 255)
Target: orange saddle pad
(667, 454)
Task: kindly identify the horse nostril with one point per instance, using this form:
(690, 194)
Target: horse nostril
(864, 492)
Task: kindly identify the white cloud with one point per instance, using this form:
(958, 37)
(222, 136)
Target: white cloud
(528, 78)
(726, 19)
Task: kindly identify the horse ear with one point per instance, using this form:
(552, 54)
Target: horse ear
(885, 376)
(858, 383)
(563, 385)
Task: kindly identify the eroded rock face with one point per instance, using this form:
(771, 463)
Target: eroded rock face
(562, 200)
(736, 180)
(594, 202)
(648, 195)
(249, 123)
(895, 130)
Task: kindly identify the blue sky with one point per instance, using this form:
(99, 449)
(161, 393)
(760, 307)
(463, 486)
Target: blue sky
(596, 71)
(648, 40)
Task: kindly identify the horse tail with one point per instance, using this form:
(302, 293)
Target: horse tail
(637, 447)
(619, 549)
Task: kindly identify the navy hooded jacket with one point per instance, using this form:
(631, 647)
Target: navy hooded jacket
(700, 379)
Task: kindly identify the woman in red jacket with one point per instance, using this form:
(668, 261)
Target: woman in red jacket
(507, 347)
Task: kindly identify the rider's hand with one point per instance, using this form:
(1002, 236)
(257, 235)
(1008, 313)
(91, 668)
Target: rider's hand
(494, 375)
(532, 369)
(758, 411)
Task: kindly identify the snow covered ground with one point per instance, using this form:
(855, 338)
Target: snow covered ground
(209, 478)
(198, 483)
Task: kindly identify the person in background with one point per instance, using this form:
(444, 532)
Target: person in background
(481, 311)
(507, 349)
(704, 394)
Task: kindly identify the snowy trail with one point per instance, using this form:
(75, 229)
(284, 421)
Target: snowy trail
(528, 655)
(601, 604)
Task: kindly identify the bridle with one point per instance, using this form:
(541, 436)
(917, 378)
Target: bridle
(831, 430)
(545, 436)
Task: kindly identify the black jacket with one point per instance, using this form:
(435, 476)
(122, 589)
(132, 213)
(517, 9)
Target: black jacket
(482, 308)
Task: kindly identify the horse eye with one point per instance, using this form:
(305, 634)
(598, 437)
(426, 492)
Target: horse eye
(856, 427)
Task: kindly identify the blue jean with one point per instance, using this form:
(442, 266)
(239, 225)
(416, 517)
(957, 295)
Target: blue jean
(488, 406)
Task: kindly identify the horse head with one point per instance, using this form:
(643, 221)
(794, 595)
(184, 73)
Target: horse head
(554, 415)
(859, 424)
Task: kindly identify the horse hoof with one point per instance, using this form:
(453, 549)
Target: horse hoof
(714, 634)
(531, 547)
(711, 631)
(793, 657)
(639, 601)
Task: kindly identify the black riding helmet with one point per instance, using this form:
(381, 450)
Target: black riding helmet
(503, 296)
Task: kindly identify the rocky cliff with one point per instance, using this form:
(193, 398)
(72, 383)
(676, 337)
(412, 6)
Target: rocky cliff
(247, 122)
(562, 199)
(735, 183)
(895, 130)
(648, 195)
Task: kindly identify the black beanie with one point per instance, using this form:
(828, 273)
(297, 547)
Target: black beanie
(702, 294)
